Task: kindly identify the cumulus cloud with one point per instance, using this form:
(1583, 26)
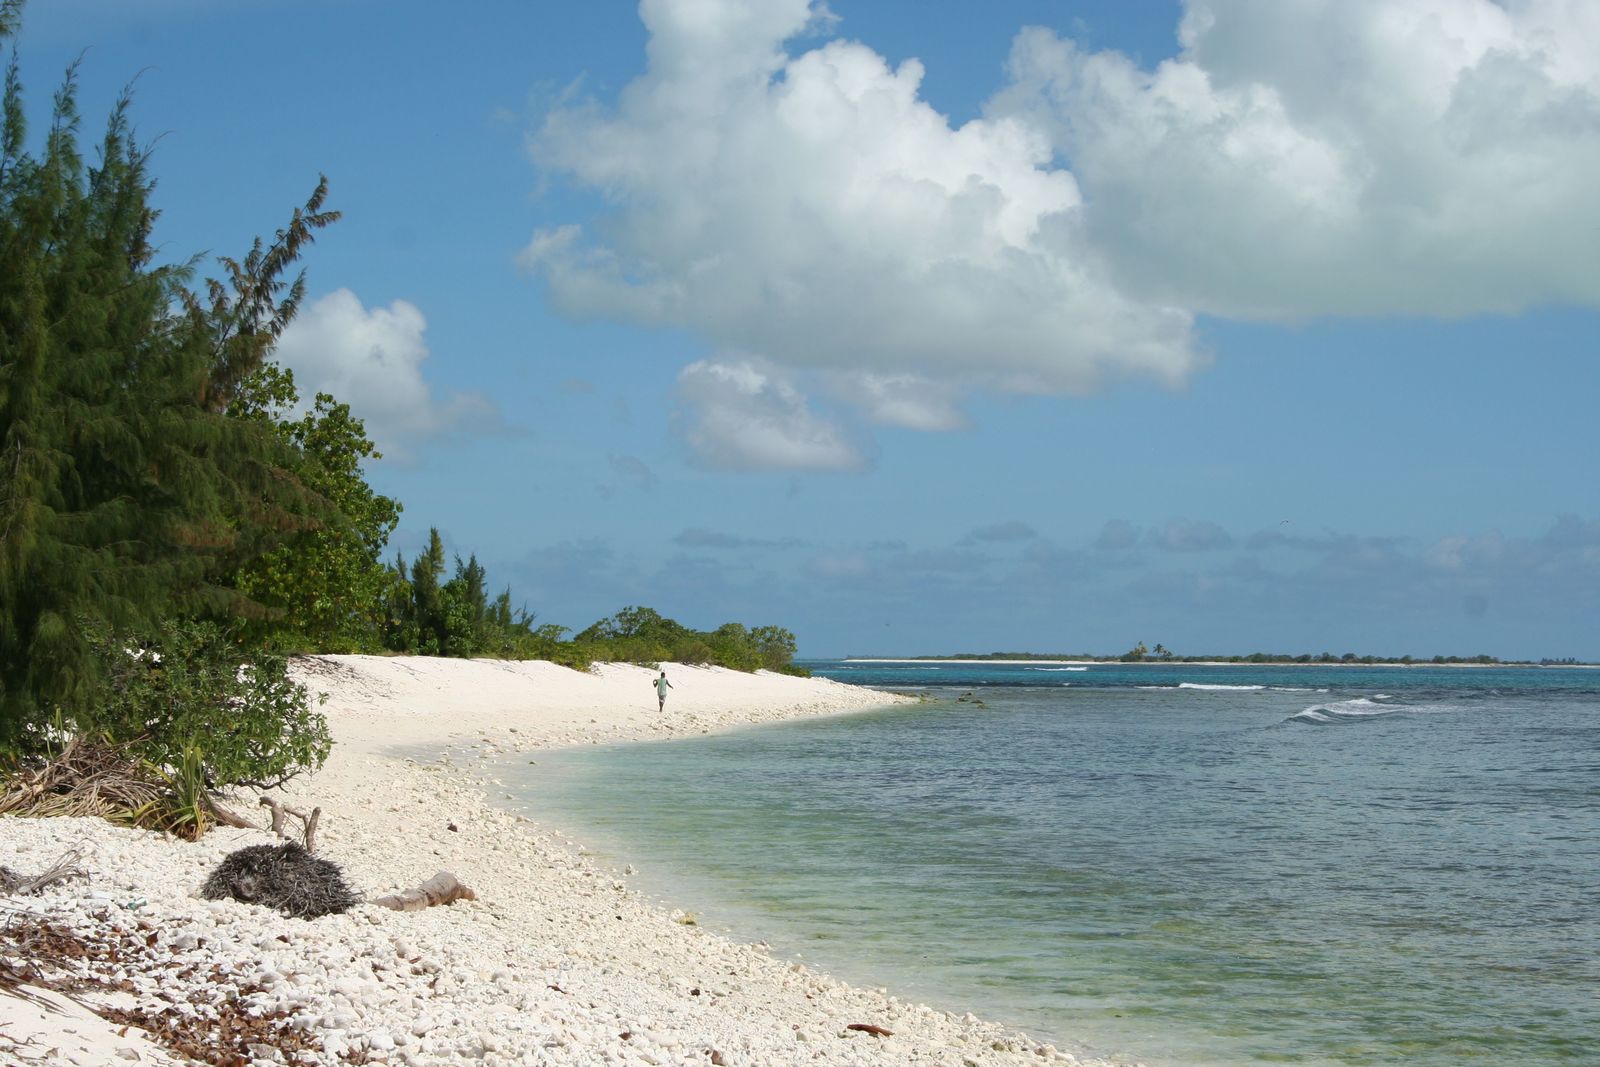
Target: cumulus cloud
(1344, 157)
(815, 210)
(372, 360)
(797, 201)
(909, 401)
(742, 417)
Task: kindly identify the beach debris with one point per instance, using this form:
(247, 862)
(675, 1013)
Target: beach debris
(308, 822)
(88, 777)
(870, 1028)
(64, 869)
(286, 877)
(442, 888)
(191, 1022)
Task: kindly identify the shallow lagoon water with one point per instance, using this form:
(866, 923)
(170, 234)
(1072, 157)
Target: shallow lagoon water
(1174, 863)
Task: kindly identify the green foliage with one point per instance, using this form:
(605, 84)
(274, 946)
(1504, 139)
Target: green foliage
(325, 586)
(456, 618)
(129, 493)
(642, 635)
(196, 699)
(183, 808)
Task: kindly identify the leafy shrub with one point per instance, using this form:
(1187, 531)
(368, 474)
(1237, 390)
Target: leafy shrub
(194, 696)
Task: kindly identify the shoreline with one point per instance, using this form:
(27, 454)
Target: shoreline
(557, 961)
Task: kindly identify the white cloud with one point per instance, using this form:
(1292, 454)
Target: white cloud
(1343, 157)
(803, 204)
(905, 400)
(816, 211)
(741, 417)
(372, 360)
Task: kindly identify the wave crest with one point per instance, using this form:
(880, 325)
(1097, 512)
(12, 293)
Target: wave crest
(1343, 711)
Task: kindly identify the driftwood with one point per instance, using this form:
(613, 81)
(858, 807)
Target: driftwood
(869, 1028)
(226, 817)
(442, 888)
(308, 823)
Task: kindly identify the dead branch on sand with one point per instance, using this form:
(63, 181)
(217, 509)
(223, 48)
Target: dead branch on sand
(308, 823)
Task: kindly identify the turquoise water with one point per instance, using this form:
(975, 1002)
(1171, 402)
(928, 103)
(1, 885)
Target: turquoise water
(1183, 864)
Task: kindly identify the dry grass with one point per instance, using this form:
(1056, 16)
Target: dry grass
(97, 778)
(85, 778)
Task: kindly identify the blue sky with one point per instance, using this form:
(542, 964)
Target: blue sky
(935, 326)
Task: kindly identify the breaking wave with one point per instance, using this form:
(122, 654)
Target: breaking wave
(1363, 709)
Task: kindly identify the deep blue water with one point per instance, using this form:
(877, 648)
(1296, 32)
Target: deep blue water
(1184, 864)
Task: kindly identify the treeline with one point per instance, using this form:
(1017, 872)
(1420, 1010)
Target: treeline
(1161, 654)
(425, 614)
(174, 520)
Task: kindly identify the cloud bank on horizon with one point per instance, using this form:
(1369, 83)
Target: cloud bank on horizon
(1189, 583)
(789, 197)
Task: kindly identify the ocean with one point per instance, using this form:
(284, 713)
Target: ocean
(1181, 864)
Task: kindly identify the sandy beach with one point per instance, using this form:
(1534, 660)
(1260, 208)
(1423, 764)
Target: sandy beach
(557, 961)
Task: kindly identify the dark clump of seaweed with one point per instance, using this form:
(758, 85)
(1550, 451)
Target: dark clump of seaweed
(285, 877)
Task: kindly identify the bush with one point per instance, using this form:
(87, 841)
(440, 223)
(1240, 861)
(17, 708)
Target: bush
(193, 690)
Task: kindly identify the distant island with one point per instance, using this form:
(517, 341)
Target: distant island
(1160, 654)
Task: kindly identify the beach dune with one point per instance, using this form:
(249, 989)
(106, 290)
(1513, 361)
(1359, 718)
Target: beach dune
(557, 961)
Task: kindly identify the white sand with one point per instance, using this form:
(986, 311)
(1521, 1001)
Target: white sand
(556, 962)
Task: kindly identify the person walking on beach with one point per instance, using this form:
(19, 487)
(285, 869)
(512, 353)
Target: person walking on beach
(662, 685)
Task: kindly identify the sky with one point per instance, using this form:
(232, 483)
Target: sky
(931, 327)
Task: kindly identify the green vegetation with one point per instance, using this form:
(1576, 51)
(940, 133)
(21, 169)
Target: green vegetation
(173, 522)
(456, 618)
(173, 688)
(321, 588)
(132, 489)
